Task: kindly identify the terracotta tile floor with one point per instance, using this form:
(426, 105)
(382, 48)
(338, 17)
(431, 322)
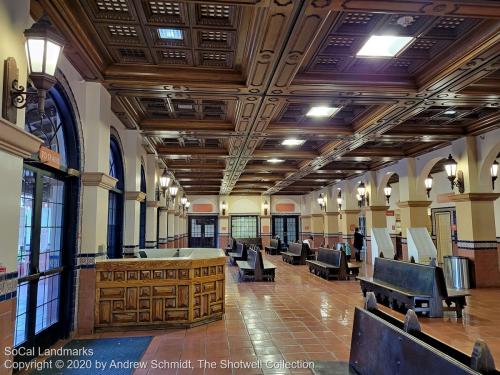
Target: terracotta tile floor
(301, 317)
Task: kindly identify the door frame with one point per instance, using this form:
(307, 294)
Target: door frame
(286, 217)
(216, 227)
(61, 329)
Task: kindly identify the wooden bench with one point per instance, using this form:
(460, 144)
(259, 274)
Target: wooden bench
(274, 247)
(296, 254)
(382, 344)
(257, 241)
(404, 285)
(231, 246)
(332, 263)
(239, 254)
(255, 267)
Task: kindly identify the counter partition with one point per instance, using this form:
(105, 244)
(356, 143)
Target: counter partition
(169, 288)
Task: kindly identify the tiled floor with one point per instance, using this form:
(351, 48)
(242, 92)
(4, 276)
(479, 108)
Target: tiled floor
(301, 317)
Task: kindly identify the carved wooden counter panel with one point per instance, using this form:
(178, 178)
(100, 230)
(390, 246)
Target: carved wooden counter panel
(158, 292)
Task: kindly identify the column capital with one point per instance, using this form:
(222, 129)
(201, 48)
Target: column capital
(377, 208)
(265, 216)
(100, 179)
(138, 196)
(305, 216)
(17, 141)
(406, 204)
(336, 213)
(154, 204)
(350, 211)
(474, 197)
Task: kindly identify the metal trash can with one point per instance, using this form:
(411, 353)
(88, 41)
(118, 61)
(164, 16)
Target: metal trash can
(456, 270)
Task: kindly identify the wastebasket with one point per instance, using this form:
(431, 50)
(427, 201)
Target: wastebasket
(456, 270)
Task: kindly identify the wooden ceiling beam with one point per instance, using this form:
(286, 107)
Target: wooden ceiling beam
(377, 152)
(185, 125)
(284, 154)
(194, 166)
(316, 131)
(204, 151)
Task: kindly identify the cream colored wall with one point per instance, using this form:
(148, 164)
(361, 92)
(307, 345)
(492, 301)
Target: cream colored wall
(244, 204)
(14, 19)
(204, 199)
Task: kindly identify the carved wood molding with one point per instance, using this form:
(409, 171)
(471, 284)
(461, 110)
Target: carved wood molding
(99, 179)
(16, 141)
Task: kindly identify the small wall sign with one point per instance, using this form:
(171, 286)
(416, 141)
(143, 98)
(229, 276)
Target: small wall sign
(49, 157)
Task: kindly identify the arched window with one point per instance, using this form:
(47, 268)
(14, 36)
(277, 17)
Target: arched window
(47, 230)
(115, 201)
(142, 222)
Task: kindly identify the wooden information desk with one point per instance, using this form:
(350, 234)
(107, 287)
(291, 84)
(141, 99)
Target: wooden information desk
(169, 288)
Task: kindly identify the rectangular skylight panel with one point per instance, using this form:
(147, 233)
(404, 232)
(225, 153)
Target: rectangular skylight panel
(322, 111)
(384, 46)
(173, 34)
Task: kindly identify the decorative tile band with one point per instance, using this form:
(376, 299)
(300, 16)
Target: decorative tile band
(162, 240)
(87, 260)
(130, 249)
(8, 286)
(477, 245)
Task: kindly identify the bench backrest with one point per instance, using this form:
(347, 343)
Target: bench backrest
(276, 243)
(241, 250)
(416, 278)
(295, 248)
(252, 241)
(252, 257)
(330, 256)
(379, 347)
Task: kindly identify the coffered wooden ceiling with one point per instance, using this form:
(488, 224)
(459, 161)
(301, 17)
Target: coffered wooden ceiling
(217, 102)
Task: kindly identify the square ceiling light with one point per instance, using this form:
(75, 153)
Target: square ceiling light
(275, 160)
(293, 142)
(322, 111)
(384, 46)
(172, 34)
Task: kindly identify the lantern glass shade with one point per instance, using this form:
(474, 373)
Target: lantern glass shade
(494, 169)
(451, 167)
(173, 190)
(339, 200)
(266, 205)
(188, 203)
(387, 191)
(361, 189)
(164, 180)
(321, 200)
(224, 205)
(428, 182)
(184, 200)
(358, 197)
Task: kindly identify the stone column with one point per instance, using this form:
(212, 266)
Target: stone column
(15, 144)
(413, 215)
(163, 228)
(375, 218)
(305, 227)
(223, 231)
(317, 230)
(176, 228)
(331, 228)
(477, 236)
(151, 203)
(171, 228)
(348, 221)
(132, 222)
(265, 230)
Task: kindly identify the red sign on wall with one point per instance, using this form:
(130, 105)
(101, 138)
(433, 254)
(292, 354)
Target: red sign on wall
(389, 213)
(49, 157)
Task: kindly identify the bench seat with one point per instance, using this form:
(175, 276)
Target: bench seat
(255, 268)
(274, 247)
(296, 254)
(321, 264)
(332, 263)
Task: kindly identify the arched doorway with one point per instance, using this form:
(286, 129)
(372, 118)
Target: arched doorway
(48, 226)
(115, 201)
(142, 218)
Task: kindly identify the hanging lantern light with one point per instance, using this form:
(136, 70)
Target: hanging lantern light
(494, 173)
(428, 185)
(387, 192)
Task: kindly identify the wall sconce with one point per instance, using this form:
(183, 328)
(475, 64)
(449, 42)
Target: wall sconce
(428, 185)
(339, 201)
(387, 192)
(43, 49)
(456, 177)
(322, 202)
(224, 206)
(362, 195)
(184, 203)
(164, 182)
(266, 207)
(494, 173)
(172, 193)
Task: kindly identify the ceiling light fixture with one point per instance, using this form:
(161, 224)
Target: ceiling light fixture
(275, 160)
(450, 112)
(168, 33)
(384, 46)
(322, 111)
(293, 142)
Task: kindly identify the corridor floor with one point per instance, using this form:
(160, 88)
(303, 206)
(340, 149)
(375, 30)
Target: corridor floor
(301, 317)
